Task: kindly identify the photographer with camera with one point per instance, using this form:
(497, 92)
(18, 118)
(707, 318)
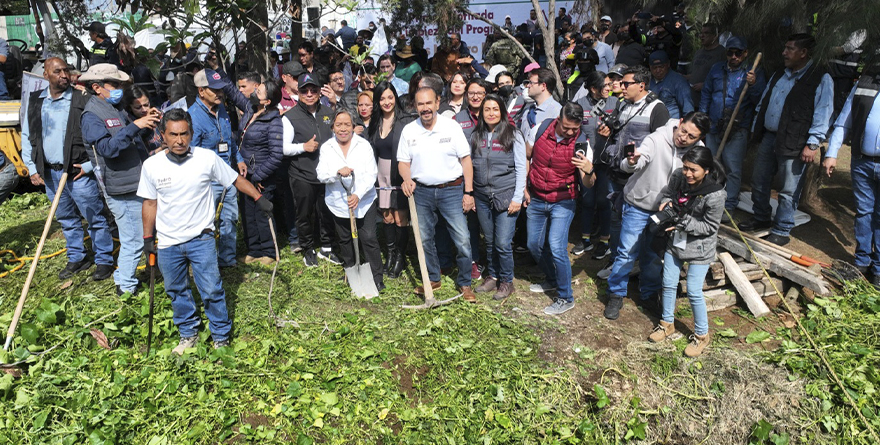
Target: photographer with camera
(638, 115)
(651, 165)
(690, 212)
(721, 91)
(666, 34)
(597, 105)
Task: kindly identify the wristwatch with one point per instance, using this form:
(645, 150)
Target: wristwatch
(469, 193)
(589, 172)
(813, 147)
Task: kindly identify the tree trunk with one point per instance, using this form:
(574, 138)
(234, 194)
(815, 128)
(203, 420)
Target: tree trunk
(296, 26)
(257, 40)
(548, 32)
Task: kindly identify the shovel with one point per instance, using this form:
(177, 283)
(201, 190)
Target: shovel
(360, 276)
(151, 261)
(430, 301)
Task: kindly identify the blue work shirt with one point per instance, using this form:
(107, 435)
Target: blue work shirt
(54, 115)
(714, 99)
(209, 130)
(95, 132)
(843, 124)
(823, 104)
(349, 36)
(675, 91)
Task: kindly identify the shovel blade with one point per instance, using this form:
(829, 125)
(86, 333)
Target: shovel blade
(360, 278)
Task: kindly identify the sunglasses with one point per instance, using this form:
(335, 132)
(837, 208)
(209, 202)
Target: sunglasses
(735, 52)
(627, 84)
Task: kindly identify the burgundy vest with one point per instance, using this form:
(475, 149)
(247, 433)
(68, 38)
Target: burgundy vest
(552, 175)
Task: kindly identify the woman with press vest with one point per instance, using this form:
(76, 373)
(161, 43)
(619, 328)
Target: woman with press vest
(690, 213)
(594, 200)
(386, 124)
(347, 160)
(498, 151)
(262, 150)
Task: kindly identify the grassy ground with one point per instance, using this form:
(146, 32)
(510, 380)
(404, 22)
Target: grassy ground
(370, 372)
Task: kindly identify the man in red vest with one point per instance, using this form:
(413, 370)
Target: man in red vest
(551, 198)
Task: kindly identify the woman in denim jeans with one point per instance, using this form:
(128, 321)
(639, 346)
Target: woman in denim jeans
(498, 152)
(694, 199)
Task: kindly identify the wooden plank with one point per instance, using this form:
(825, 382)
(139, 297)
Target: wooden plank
(718, 299)
(716, 270)
(753, 275)
(783, 267)
(757, 240)
(743, 286)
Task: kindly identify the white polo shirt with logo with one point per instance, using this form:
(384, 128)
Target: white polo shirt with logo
(185, 201)
(434, 155)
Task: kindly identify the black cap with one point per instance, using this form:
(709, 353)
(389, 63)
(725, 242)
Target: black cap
(308, 79)
(294, 69)
(97, 28)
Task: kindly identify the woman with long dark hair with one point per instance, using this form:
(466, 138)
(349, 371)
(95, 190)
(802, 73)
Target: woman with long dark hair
(262, 150)
(694, 198)
(498, 152)
(137, 103)
(455, 93)
(386, 124)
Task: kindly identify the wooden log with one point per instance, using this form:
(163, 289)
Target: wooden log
(716, 270)
(774, 263)
(725, 297)
(743, 286)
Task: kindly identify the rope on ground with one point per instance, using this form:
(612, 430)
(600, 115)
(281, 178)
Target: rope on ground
(805, 333)
(23, 260)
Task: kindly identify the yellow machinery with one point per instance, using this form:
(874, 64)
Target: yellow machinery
(10, 134)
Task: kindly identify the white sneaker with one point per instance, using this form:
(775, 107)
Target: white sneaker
(606, 271)
(539, 288)
(185, 343)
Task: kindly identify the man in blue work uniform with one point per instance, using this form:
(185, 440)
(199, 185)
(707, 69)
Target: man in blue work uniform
(213, 131)
(791, 121)
(860, 120)
(672, 88)
(721, 90)
(348, 35)
(51, 144)
(120, 152)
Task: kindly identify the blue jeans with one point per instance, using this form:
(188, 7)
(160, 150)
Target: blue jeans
(444, 242)
(228, 218)
(595, 200)
(81, 196)
(127, 211)
(732, 160)
(634, 243)
(866, 187)
(696, 275)
(8, 179)
(498, 229)
(201, 254)
(767, 164)
(446, 202)
(4, 92)
(548, 225)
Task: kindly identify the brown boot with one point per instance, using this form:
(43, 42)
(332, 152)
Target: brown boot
(662, 331)
(468, 294)
(698, 343)
(421, 290)
(488, 285)
(504, 291)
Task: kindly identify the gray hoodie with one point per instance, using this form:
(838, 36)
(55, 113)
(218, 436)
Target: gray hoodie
(659, 159)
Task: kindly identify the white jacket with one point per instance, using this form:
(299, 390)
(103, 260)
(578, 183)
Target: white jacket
(362, 161)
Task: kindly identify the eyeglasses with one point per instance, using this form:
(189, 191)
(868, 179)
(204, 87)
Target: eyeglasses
(735, 52)
(308, 91)
(476, 93)
(526, 83)
(338, 79)
(627, 84)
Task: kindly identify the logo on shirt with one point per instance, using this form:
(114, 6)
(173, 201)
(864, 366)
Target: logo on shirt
(327, 120)
(163, 182)
(114, 122)
(445, 140)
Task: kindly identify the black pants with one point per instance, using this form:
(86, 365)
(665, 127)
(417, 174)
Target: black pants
(313, 218)
(257, 234)
(285, 210)
(369, 243)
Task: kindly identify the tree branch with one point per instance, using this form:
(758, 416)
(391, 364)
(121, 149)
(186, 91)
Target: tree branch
(522, 48)
(550, 41)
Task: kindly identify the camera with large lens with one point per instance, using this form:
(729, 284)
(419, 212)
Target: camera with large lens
(610, 120)
(666, 218)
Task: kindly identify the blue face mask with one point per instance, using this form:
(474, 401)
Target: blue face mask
(115, 97)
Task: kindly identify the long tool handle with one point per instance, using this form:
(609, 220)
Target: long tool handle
(736, 109)
(151, 260)
(27, 284)
(423, 266)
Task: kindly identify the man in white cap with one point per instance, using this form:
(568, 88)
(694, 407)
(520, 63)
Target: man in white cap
(605, 34)
(119, 152)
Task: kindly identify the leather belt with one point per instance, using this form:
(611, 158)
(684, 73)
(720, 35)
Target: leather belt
(56, 167)
(454, 183)
(870, 158)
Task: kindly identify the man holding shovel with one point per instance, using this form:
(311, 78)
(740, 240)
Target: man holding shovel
(435, 164)
(52, 144)
(179, 207)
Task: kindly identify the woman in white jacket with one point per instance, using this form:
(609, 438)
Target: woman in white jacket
(349, 157)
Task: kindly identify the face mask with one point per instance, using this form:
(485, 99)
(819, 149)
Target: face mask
(176, 158)
(506, 90)
(115, 97)
(256, 104)
(622, 36)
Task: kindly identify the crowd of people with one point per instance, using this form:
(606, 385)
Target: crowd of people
(494, 160)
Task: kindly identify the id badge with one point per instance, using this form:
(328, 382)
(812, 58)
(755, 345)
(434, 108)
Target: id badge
(223, 147)
(680, 239)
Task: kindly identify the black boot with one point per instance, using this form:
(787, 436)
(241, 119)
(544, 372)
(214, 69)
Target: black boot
(390, 243)
(399, 262)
